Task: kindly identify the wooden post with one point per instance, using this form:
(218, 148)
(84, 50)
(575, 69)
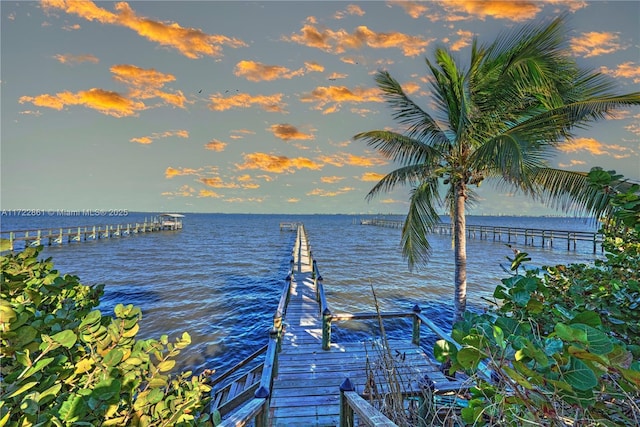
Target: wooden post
(315, 283)
(274, 334)
(346, 412)
(11, 241)
(262, 417)
(415, 336)
(326, 329)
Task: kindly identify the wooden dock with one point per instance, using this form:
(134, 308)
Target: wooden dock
(527, 236)
(20, 239)
(308, 380)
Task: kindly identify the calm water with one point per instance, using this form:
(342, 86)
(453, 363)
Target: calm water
(220, 278)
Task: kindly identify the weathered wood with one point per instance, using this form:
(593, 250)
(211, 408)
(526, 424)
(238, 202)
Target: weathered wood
(245, 414)
(239, 366)
(368, 414)
(306, 390)
(59, 236)
(529, 234)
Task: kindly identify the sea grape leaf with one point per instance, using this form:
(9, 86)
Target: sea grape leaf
(597, 341)
(571, 334)
(590, 318)
(469, 357)
(579, 376)
(66, 338)
(553, 346)
(444, 350)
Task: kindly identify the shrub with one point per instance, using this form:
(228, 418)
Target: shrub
(63, 362)
(563, 343)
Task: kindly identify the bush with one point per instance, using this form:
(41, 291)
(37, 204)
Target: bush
(562, 344)
(62, 362)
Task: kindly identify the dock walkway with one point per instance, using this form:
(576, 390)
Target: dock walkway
(308, 380)
(11, 240)
(306, 389)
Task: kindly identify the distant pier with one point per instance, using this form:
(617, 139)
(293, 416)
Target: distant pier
(20, 239)
(527, 236)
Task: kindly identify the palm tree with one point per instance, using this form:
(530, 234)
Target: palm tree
(500, 119)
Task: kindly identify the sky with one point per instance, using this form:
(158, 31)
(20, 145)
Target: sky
(250, 107)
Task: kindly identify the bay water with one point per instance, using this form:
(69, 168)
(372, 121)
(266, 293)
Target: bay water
(221, 276)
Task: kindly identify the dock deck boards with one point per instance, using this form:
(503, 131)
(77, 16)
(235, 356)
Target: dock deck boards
(306, 389)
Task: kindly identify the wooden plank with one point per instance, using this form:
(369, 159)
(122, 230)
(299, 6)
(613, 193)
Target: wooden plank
(369, 415)
(246, 413)
(306, 390)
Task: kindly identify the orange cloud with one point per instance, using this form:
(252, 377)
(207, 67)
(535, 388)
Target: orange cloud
(245, 200)
(171, 172)
(372, 176)
(217, 182)
(628, 70)
(107, 102)
(337, 95)
(215, 145)
(327, 193)
(594, 147)
(272, 103)
(463, 41)
(340, 41)
(142, 84)
(146, 83)
(288, 132)
(190, 42)
(331, 179)
(412, 8)
(314, 66)
(258, 72)
(184, 191)
(390, 201)
(239, 133)
(75, 59)
(293, 200)
(335, 76)
(571, 163)
(497, 9)
(209, 193)
(595, 43)
(342, 159)
(154, 136)
(351, 9)
(276, 164)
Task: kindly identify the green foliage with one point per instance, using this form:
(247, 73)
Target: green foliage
(64, 363)
(564, 343)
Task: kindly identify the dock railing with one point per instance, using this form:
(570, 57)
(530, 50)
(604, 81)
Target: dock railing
(60, 235)
(545, 236)
(352, 403)
(256, 410)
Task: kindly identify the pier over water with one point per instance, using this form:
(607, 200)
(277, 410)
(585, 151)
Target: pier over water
(527, 236)
(307, 379)
(20, 239)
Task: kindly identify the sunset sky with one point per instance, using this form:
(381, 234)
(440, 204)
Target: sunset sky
(250, 107)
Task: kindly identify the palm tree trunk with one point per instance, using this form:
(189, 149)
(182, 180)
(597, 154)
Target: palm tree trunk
(460, 248)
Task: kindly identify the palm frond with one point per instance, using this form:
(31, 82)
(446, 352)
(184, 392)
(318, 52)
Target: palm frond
(510, 157)
(399, 148)
(407, 175)
(570, 191)
(420, 125)
(419, 223)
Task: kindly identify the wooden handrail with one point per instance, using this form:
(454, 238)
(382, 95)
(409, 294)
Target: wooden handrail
(239, 366)
(546, 235)
(351, 403)
(253, 409)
